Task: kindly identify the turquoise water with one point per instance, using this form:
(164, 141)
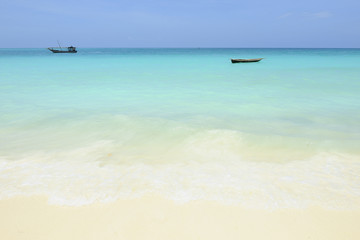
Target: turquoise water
(124, 107)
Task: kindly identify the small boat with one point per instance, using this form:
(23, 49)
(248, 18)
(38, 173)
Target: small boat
(70, 49)
(246, 60)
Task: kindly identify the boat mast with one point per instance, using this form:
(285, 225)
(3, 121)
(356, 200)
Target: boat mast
(59, 44)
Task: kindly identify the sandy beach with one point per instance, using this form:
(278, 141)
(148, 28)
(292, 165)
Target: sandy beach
(153, 217)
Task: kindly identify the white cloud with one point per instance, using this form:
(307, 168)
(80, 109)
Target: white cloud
(322, 14)
(286, 15)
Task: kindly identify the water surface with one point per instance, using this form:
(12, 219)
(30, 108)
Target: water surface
(185, 123)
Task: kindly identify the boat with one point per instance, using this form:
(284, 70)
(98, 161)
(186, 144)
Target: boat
(70, 49)
(59, 49)
(246, 60)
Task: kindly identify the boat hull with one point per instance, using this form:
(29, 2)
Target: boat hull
(246, 60)
(58, 51)
(61, 51)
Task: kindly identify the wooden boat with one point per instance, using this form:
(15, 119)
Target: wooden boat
(70, 49)
(246, 60)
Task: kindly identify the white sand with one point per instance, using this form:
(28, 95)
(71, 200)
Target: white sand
(157, 218)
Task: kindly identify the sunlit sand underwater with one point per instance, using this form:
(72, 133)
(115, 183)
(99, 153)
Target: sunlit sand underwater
(114, 126)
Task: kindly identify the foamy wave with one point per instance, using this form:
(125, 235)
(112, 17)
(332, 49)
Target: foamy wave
(92, 174)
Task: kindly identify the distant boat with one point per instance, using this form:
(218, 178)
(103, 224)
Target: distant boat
(70, 49)
(246, 60)
(59, 49)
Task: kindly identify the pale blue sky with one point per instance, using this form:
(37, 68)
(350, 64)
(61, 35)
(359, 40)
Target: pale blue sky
(186, 23)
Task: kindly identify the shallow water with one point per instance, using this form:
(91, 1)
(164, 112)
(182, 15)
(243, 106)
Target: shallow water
(186, 123)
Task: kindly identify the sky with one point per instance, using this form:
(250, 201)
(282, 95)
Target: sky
(181, 23)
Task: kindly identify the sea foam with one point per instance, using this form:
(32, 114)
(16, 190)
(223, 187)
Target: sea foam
(81, 177)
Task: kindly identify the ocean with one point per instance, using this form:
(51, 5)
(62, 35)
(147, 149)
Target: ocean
(186, 124)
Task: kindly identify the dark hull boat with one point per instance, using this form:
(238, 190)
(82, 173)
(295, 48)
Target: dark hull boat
(246, 60)
(62, 50)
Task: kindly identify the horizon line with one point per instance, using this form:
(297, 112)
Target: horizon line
(196, 47)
